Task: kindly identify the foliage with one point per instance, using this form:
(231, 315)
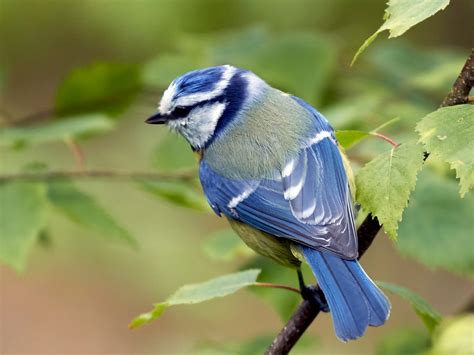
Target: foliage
(401, 15)
(74, 127)
(103, 87)
(437, 228)
(176, 192)
(225, 245)
(404, 341)
(385, 183)
(447, 133)
(84, 210)
(430, 317)
(197, 293)
(22, 219)
(398, 80)
(454, 336)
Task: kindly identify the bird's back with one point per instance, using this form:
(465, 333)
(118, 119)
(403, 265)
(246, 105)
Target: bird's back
(268, 130)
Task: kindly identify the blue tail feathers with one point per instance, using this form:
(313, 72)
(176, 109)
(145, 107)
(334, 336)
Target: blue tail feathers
(355, 302)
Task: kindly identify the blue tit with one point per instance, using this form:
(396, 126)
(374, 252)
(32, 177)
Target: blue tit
(270, 163)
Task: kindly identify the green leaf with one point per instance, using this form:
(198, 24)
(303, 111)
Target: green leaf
(348, 138)
(173, 153)
(286, 61)
(102, 87)
(176, 192)
(225, 245)
(197, 293)
(401, 15)
(84, 210)
(448, 133)
(437, 225)
(430, 317)
(404, 341)
(22, 207)
(454, 337)
(162, 70)
(384, 184)
(73, 127)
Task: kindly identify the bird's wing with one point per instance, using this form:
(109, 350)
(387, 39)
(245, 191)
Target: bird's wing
(308, 201)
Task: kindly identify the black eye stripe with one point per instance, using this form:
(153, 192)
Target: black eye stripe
(181, 111)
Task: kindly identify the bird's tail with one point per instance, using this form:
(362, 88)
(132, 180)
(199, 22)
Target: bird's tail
(355, 302)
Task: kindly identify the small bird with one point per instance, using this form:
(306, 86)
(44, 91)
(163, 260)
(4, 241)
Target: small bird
(270, 163)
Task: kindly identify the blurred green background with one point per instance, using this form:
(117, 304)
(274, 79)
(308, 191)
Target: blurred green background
(79, 291)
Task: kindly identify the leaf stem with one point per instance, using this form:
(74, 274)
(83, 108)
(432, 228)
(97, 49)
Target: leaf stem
(385, 138)
(77, 152)
(271, 285)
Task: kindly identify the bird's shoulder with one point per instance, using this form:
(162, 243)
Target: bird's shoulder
(265, 133)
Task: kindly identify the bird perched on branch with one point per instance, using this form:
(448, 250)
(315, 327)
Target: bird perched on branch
(270, 164)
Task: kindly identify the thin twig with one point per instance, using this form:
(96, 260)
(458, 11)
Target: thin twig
(367, 231)
(184, 176)
(272, 285)
(385, 138)
(77, 152)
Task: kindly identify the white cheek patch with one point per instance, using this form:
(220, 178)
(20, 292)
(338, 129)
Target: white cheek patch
(200, 124)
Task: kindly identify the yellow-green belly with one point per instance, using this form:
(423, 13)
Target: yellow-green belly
(278, 249)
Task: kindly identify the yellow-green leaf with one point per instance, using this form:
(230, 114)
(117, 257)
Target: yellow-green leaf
(100, 87)
(454, 337)
(401, 15)
(200, 292)
(74, 127)
(84, 210)
(179, 193)
(384, 184)
(348, 138)
(21, 220)
(430, 317)
(437, 227)
(448, 133)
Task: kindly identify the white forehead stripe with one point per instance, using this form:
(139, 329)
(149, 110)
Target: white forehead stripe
(167, 99)
(166, 103)
(221, 85)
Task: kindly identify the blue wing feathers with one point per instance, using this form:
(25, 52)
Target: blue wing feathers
(309, 202)
(354, 300)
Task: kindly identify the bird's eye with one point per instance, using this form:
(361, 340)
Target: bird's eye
(181, 111)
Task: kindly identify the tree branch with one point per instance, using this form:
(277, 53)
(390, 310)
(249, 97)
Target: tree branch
(459, 93)
(367, 231)
(184, 176)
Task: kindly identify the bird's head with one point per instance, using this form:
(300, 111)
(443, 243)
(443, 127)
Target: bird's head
(201, 103)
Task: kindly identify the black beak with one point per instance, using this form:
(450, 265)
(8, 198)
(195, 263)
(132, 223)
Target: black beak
(158, 118)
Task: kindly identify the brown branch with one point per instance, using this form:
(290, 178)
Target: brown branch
(459, 93)
(77, 152)
(367, 231)
(184, 176)
(272, 285)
